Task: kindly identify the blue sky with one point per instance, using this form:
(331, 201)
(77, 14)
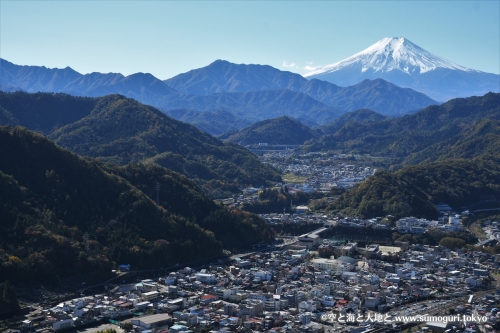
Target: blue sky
(166, 38)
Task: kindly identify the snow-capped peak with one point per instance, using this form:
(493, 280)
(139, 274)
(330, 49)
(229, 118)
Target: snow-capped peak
(388, 54)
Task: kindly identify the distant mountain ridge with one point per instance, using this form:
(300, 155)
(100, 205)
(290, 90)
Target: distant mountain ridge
(214, 123)
(250, 92)
(380, 95)
(405, 64)
(260, 104)
(361, 115)
(222, 76)
(143, 87)
(225, 77)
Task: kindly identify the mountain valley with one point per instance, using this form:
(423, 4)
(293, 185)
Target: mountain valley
(133, 161)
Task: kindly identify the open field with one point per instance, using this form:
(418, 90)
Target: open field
(292, 178)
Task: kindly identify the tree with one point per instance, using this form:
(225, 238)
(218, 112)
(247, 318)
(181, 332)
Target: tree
(8, 297)
(361, 243)
(127, 326)
(325, 252)
(452, 243)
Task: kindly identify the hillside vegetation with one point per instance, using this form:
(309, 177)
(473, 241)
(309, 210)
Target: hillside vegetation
(415, 190)
(278, 131)
(361, 115)
(51, 197)
(437, 132)
(214, 123)
(121, 130)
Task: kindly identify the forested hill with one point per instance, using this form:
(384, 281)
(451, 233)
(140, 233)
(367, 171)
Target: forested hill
(421, 136)
(121, 130)
(361, 115)
(51, 197)
(278, 131)
(214, 123)
(415, 190)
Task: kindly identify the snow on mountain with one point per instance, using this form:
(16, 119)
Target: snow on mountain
(405, 64)
(388, 54)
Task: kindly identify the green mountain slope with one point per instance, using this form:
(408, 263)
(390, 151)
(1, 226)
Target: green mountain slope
(361, 115)
(278, 131)
(480, 137)
(414, 190)
(214, 123)
(121, 130)
(414, 133)
(381, 96)
(51, 197)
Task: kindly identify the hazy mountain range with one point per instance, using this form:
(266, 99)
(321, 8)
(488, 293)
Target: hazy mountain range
(250, 92)
(212, 122)
(405, 64)
(392, 77)
(222, 77)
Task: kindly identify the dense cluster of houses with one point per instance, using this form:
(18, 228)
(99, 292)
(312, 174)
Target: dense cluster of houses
(322, 171)
(413, 225)
(405, 225)
(288, 291)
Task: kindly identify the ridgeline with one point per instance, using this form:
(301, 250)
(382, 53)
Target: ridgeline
(51, 197)
(121, 130)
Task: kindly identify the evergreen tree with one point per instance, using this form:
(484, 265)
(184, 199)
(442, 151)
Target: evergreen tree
(8, 299)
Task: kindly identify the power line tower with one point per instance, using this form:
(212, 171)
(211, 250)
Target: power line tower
(158, 197)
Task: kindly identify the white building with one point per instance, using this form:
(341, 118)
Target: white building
(206, 278)
(150, 295)
(309, 306)
(63, 324)
(328, 301)
(152, 321)
(455, 220)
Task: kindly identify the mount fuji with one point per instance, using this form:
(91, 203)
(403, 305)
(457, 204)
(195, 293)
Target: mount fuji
(406, 64)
